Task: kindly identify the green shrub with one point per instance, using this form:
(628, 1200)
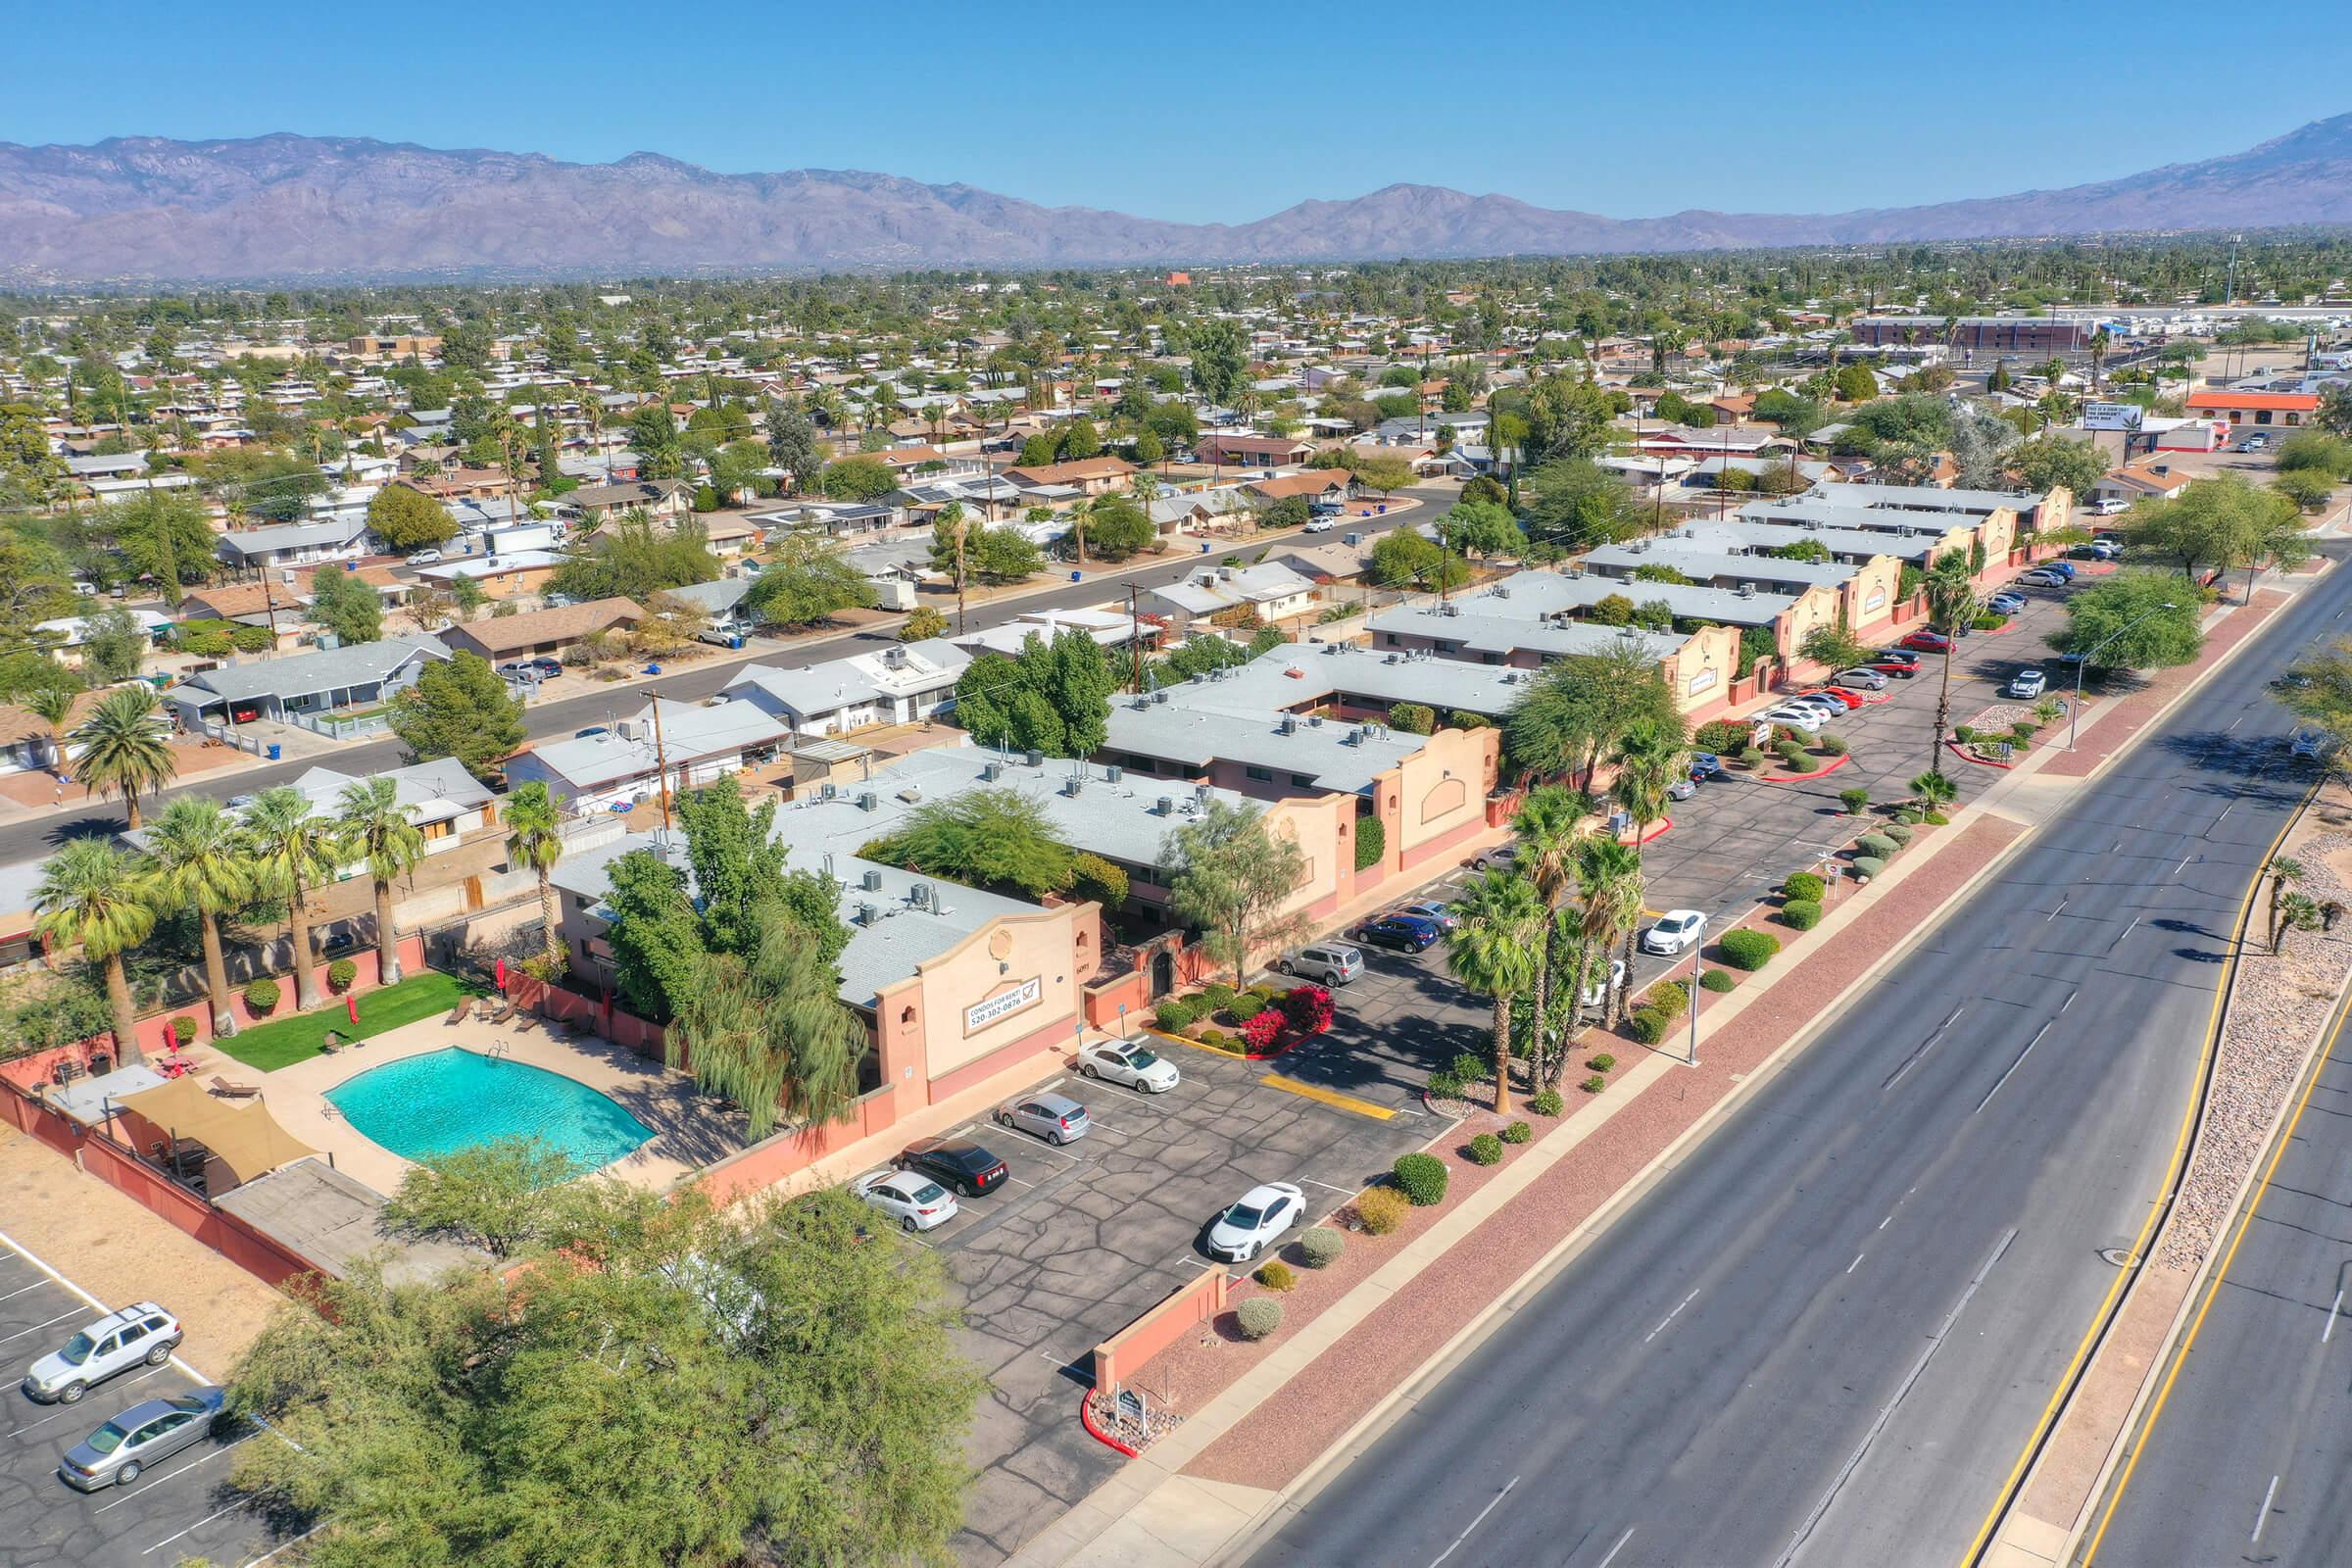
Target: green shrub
(1602, 1062)
(1547, 1103)
(1901, 832)
(1869, 866)
(1721, 735)
(1964, 733)
(1594, 1084)
(1421, 1178)
(1751, 757)
(1468, 1067)
(1648, 1025)
(1802, 914)
(1275, 1275)
(1243, 1008)
(340, 974)
(1991, 621)
(1836, 745)
(1743, 949)
(1908, 816)
(2020, 746)
(1669, 996)
(1321, 1246)
(1518, 1132)
(2024, 729)
(1716, 980)
(1486, 1150)
(1217, 998)
(1381, 1211)
(1443, 1085)
(184, 1029)
(1792, 753)
(1219, 1040)
(1877, 844)
(1801, 887)
(261, 994)
(1936, 820)
(1261, 992)
(1175, 1015)
(1371, 840)
(1259, 1316)
(1855, 802)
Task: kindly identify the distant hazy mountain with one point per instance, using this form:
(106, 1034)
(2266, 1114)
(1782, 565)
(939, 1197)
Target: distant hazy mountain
(287, 207)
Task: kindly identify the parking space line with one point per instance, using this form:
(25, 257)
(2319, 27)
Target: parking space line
(37, 1327)
(181, 1471)
(1328, 1096)
(1343, 1191)
(22, 1289)
(30, 1256)
(256, 1562)
(192, 1528)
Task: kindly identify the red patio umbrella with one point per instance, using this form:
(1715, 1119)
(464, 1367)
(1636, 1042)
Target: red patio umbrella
(502, 974)
(351, 1005)
(171, 1036)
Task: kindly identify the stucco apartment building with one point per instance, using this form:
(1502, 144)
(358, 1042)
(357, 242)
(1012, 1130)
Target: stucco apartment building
(1533, 619)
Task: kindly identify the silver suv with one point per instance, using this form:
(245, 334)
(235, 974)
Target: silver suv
(1330, 964)
(116, 1342)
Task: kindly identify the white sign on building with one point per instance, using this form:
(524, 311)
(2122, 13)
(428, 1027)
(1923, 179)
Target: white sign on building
(1003, 1004)
(2112, 415)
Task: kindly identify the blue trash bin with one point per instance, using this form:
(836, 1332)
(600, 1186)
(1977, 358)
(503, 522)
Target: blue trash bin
(1074, 577)
(274, 753)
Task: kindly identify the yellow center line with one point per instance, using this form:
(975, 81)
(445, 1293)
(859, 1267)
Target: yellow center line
(2213, 1288)
(1329, 1097)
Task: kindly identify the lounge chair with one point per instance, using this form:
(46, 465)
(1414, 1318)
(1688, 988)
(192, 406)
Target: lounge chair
(228, 1091)
(499, 1013)
(463, 1012)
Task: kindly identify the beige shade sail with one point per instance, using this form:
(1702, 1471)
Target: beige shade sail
(245, 1138)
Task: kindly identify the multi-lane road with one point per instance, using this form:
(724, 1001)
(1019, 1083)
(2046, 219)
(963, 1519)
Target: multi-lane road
(1827, 1334)
(31, 839)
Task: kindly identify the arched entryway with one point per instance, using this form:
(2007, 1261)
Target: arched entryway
(1163, 972)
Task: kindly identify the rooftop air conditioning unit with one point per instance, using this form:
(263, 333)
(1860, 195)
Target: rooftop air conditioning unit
(1201, 795)
(1166, 807)
(826, 792)
(988, 772)
(869, 801)
(1315, 720)
(1575, 571)
(1073, 785)
(920, 895)
(1037, 759)
(1113, 773)
(1160, 698)
(1390, 659)
(1502, 592)
(1453, 610)
(867, 914)
(871, 881)
(1747, 590)
(1289, 725)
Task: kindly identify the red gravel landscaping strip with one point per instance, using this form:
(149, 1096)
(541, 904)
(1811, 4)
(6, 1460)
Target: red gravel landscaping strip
(2136, 711)
(1274, 1442)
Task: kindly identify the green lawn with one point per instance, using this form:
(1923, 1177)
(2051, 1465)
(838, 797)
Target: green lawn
(282, 1042)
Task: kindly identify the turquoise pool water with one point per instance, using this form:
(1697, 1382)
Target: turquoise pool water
(425, 1106)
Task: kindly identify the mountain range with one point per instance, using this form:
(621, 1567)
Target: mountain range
(292, 208)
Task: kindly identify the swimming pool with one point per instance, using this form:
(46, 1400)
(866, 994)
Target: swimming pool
(425, 1106)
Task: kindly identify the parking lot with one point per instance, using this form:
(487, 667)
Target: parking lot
(180, 1508)
(1083, 1239)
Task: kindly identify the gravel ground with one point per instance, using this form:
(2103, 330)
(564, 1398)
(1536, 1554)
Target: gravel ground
(2278, 1004)
(1282, 1436)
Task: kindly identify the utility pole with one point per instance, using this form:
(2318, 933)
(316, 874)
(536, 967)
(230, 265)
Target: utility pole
(1135, 639)
(660, 761)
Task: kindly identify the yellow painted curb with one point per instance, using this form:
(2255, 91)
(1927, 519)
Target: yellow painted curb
(1329, 1097)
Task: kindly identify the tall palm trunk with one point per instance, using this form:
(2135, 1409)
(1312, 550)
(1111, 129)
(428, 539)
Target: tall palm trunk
(1557, 1065)
(1502, 1054)
(1944, 716)
(387, 944)
(1538, 1048)
(216, 976)
(126, 1019)
(553, 943)
(1625, 986)
(306, 955)
(130, 808)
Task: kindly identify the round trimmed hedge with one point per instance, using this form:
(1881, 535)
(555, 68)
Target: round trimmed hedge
(340, 974)
(1749, 950)
(1878, 845)
(1547, 1103)
(1486, 1150)
(1716, 980)
(1321, 1246)
(1801, 886)
(1869, 865)
(1259, 1316)
(1421, 1178)
(1802, 914)
(261, 994)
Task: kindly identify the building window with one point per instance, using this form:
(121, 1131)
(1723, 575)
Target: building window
(1142, 764)
(1263, 775)
(438, 830)
(906, 1017)
(1304, 781)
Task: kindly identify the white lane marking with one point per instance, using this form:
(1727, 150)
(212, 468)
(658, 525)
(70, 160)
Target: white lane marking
(2329, 1331)
(1474, 1523)
(2263, 1515)
(257, 1562)
(1614, 1551)
(181, 1471)
(20, 1290)
(1670, 1318)
(192, 1528)
(2226, 811)
(1887, 1413)
(1344, 1191)
(2054, 913)
(1913, 1059)
(2183, 865)
(2234, 723)
(2069, 1002)
(1856, 1263)
(30, 1256)
(44, 1323)
(2013, 1067)
(1882, 1224)
(2127, 930)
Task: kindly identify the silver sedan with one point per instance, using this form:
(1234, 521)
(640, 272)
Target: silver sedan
(145, 1435)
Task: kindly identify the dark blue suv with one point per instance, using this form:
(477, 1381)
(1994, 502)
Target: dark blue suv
(1406, 933)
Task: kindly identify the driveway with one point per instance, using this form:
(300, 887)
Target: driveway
(179, 1509)
(1084, 1238)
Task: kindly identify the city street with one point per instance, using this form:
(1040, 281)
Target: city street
(1826, 1336)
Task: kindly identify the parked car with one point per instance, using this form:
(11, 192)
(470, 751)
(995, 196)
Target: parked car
(1432, 910)
(914, 1200)
(116, 1342)
(2005, 602)
(1927, 642)
(1501, 858)
(1328, 963)
(1130, 1063)
(1258, 1220)
(1797, 717)
(1057, 1118)
(145, 1435)
(1705, 765)
(591, 730)
(2042, 577)
(1599, 991)
(518, 669)
(2064, 568)
(425, 557)
(2254, 443)
(1892, 660)
(958, 1161)
(1847, 702)
(1676, 930)
(1682, 789)
(1861, 679)
(1401, 932)
(2315, 744)
(548, 669)
(2027, 684)
(2109, 506)
(1320, 526)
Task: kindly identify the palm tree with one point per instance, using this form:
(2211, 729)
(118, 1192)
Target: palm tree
(94, 896)
(52, 705)
(1547, 823)
(533, 838)
(294, 852)
(1651, 756)
(1608, 877)
(2285, 872)
(1496, 948)
(372, 826)
(1951, 606)
(123, 750)
(1080, 515)
(1935, 789)
(202, 862)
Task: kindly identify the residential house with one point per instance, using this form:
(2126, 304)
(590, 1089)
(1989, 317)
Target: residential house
(523, 574)
(1251, 451)
(2148, 479)
(542, 633)
(344, 537)
(698, 742)
(1087, 476)
(893, 685)
(1315, 484)
(354, 675)
(1270, 591)
(657, 497)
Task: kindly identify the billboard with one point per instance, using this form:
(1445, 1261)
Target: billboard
(2112, 415)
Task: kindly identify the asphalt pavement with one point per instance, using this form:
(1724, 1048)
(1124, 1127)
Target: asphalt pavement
(1826, 1336)
(2250, 1457)
(33, 839)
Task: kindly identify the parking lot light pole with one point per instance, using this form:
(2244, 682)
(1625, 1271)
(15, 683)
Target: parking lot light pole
(1697, 972)
(2074, 720)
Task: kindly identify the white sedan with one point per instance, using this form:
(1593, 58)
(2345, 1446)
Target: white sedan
(1676, 930)
(1127, 1061)
(1256, 1222)
(1597, 991)
(1797, 716)
(914, 1200)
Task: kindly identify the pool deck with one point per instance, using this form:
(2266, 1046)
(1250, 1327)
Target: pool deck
(689, 1132)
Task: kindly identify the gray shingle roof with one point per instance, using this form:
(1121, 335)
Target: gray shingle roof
(328, 670)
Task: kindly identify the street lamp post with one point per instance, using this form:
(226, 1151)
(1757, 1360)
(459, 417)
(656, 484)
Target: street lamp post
(1698, 972)
(2074, 719)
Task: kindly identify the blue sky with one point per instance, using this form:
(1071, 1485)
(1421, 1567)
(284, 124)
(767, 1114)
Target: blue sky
(1225, 111)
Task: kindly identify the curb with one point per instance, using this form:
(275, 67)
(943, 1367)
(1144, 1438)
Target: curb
(1799, 778)
(1967, 756)
(1086, 1417)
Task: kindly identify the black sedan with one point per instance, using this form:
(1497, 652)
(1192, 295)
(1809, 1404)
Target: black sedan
(957, 1161)
(1405, 933)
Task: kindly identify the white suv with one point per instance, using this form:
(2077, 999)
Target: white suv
(116, 1342)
